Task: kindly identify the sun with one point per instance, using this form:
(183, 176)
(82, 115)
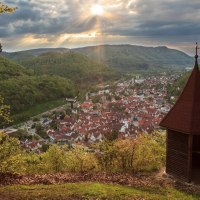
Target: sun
(97, 10)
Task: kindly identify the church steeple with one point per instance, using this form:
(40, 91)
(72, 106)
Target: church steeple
(196, 56)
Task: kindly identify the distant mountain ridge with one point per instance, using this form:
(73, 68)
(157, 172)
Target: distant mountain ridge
(124, 58)
(21, 55)
(131, 57)
(68, 64)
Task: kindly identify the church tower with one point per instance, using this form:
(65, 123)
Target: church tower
(183, 131)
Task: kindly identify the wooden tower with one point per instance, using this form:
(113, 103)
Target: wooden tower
(183, 131)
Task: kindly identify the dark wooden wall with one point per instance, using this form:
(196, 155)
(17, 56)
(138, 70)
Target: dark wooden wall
(196, 151)
(177, 155)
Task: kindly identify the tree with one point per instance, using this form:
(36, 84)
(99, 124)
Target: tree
(6, 9)
(10, 155)
(113, 135)
(54, 159)
(4, 113)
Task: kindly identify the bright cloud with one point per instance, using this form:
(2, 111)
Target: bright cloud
(70, 23)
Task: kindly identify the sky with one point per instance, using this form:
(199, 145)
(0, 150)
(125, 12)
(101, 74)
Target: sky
(78, 23)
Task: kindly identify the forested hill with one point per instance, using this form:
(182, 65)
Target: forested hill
(48, 77)
(130, 57)
(22, 88)
(74, 66)
(21, 55)
(124, 58)
(9, 69)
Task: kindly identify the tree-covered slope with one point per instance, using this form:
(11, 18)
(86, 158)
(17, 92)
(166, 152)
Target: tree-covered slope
(21, 55)
(130, 57)
(10, 69)
(74, 66)
(22, 89)
(124, 58)
(175, 89)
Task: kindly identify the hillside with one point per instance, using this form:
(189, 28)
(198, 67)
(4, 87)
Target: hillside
(176, 88)
(74, 66)
(21, 88)
(9, 69)
(21, 55)
(92, 191)
(125, 58)
(130, 57)
(47, 77)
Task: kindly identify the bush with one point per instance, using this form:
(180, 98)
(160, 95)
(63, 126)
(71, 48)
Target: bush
(125, 154)
(149, 152)
(79, 160)
(106, 155)
(146, 153)
(11, 155)
(54, 160)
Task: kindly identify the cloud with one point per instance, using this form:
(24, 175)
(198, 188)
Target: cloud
(123, 20)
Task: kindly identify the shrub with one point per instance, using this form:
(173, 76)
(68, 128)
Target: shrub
(125, 154)
(11, 155)
(54, 160)
(149, 152)
(106, 155)
(79, 160)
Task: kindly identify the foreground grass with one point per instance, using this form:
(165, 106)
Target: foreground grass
(36, 110)
(90, 191)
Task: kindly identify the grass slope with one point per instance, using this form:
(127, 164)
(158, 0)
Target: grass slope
(91, 191)
(36, 110)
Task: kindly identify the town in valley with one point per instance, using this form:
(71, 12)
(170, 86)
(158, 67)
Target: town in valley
(125, 109)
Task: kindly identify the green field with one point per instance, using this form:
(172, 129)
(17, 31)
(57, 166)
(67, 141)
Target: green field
(36, 110)
(91, 191)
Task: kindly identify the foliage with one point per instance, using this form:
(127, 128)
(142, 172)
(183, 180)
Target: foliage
(79, 160)
(149, 152)
(22, 135)
(176, 88)
(32, 163)
(9, 69)
(74, 66)
(36, 109)
(4, 113)
(126, 154)
(41, 82)
(10, 155)
(137, 58)
(146, 153)
(111, 136)
(21, 93)
(40, 131)
(54, 160)
(106, 156)
(6, 9)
